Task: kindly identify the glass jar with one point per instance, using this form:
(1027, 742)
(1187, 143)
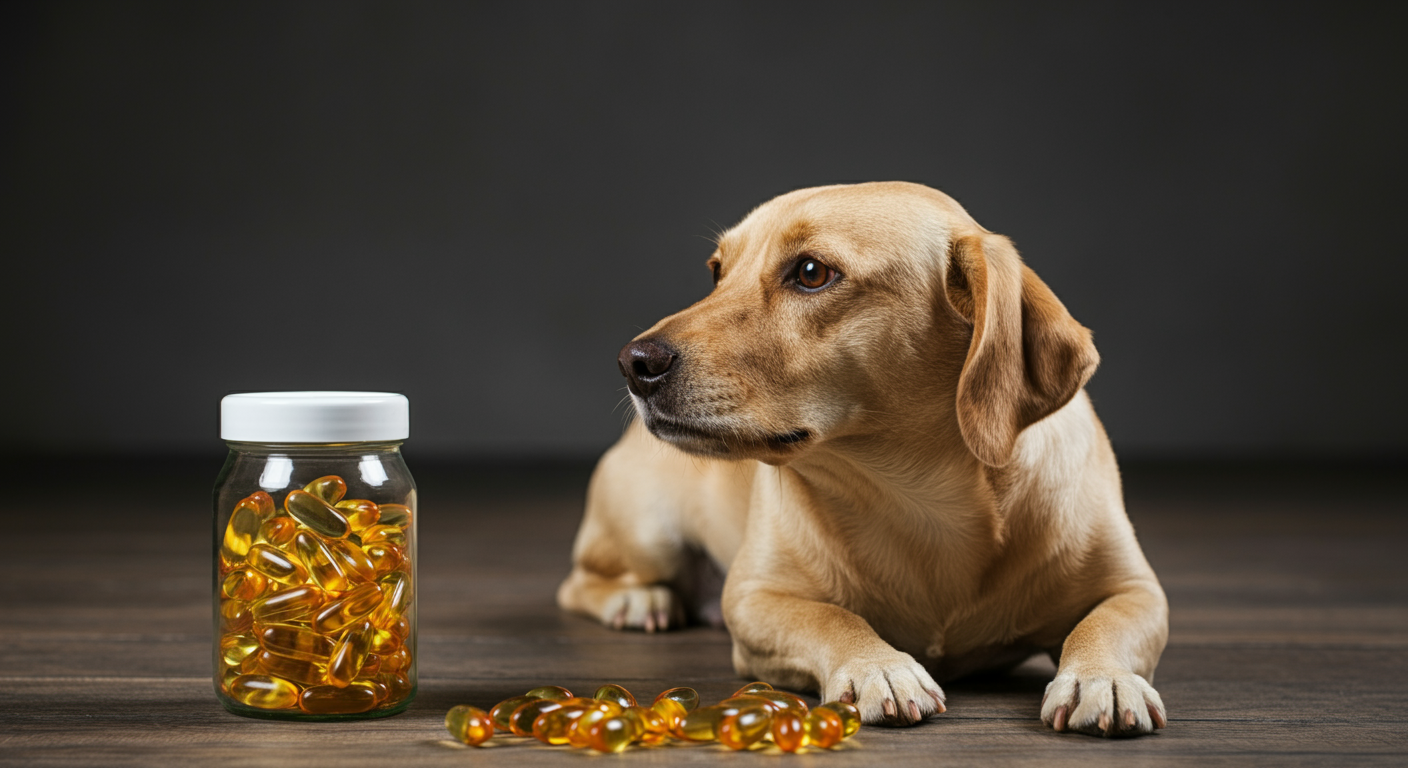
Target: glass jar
(315, 557)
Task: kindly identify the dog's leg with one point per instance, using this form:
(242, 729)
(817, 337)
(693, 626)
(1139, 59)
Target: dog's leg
(637, 543)
(807, 644)
(1107, 663)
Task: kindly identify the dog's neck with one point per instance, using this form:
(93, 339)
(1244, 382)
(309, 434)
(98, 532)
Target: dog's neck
(888, 476)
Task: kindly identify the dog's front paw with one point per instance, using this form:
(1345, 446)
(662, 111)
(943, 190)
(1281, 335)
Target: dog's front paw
(1102, 702)
(653, 608)
(889, 688)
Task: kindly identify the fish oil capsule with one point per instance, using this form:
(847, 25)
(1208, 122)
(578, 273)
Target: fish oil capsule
(276, 564)
(395, 514)
(349, 655)
(325, 571)
(235, 648)
(376, 685)
(354, 605)
(579, 734)
(615, 693)
(296, 643)
(701, 724)
(752, 688)
(372, 666)
(611, 735)
(787, 731)
(360, 513)
(396, 596)
(552, 727)
(278, 530)
(318, 515)
(671, 710)
(850, 716)
(384, 642)
(782, 700)
(235, 617)
(244, 525)
(398, 686)
(469, 725)
(501, 712)
(823, 728)
(243, 584)
(331, 700)
(353, 561)
(745, 728)
(390, 534)
(687, 697)
(264, 692)
(288, 605)
(549, 692)
(652, 726)
(384, 555)
(397, 661)
(296, 670)
(330, 488)
(522, 719)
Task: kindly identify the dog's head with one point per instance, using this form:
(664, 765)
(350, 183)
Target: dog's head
(856, 312)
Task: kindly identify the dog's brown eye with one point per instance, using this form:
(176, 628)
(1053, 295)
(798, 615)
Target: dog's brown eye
(812, 274)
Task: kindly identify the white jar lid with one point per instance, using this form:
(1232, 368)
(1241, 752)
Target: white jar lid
(315, 417)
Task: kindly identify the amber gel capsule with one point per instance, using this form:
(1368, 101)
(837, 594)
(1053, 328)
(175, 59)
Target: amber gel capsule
(701, 724)
(745, 728)
(330, 489)
(325, 569)
(549, 692)
(611, 735)
(615, 693)
(502, 711)
(296, 643)
(395, 514)
(278, 530)
(354, 604)
(687, 697)
(264, 692)
(850, 716)
(351, 559)
(297, 670)
(243, 584)
(522, 719)
(823, 728)
(317, 514)
(469, 725)
(752, 688)
(287, 605)
(349, 655)
(787, 731)
(396, 597)
(360, 513)
(331, 700)
(276, 564)
(552, 727)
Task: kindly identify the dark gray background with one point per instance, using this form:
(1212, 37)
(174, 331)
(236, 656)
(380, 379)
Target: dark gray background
(478, 204)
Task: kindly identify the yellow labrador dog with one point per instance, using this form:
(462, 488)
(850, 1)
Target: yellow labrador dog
(876, 425)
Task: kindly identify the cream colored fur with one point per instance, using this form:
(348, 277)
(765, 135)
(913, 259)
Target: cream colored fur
(952, 503)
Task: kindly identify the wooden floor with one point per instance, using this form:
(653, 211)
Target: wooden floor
(1289, 645)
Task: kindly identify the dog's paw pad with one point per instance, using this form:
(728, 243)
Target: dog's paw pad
(653, 609)
(1102, 703)
(889, 688)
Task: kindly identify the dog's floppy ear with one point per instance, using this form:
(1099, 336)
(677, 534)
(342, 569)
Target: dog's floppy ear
(1028, 356)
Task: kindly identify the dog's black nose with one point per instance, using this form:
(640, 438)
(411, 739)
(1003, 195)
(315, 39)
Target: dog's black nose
(646, 363)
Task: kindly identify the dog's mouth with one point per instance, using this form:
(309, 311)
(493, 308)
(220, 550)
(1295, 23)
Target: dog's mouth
(712, 440)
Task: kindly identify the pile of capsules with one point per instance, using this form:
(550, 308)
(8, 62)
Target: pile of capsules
(611, 720)
(313, 602)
